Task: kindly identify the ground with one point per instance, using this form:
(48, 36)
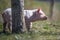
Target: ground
(41, 30)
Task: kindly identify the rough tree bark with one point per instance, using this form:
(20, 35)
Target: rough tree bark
(17, 16)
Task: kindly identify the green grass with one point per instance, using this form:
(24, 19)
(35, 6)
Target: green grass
(41, 30)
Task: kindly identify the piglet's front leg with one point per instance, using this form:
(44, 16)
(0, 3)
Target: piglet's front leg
(28, 26)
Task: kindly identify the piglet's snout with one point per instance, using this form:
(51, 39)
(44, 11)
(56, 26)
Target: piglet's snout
(43, 17)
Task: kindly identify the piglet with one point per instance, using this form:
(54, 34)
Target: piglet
(30, 16)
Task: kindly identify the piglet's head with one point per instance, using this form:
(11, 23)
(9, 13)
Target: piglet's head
(38, 14)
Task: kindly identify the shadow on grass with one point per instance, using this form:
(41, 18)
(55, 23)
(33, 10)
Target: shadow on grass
(10, 33)
(6, 33)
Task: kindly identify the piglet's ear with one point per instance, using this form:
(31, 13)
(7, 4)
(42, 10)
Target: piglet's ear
(38, 10)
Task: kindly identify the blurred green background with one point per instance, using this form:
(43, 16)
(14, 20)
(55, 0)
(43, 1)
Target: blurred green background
(41, 30)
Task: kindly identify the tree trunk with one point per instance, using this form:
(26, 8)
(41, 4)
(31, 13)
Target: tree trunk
(51, 8)
(17, 16)
(51, 11)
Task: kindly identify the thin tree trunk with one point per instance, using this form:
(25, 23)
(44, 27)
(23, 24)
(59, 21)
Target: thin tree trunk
(51, 8)
(17, 16)
(51, 11)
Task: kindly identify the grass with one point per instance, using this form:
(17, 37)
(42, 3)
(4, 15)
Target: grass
(41, 30)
